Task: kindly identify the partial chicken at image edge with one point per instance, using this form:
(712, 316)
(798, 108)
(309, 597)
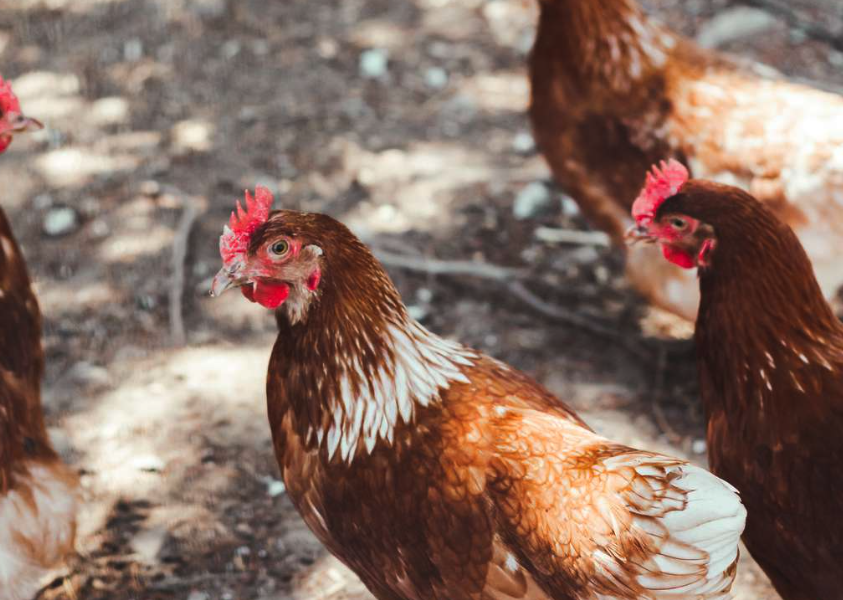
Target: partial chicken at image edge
(39, 494)
(614, 92)
(770, 359)
(434, 471)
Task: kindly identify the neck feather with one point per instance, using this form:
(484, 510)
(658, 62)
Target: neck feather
(765, 333)
(357, 366)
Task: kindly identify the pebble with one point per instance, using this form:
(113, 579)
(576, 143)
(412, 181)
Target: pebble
(733, 24)
(42, 202)
(436, 78)
(533, 200)
(274, 487)
(698, 446)
(85, 372)
(569, 206)
(148, 463)
(194, 595)
(132, 50)
(147, 544)
(60, 221)
(374, 63)
(523, 143)
(417, 312)
(424, 295)
(209, 9)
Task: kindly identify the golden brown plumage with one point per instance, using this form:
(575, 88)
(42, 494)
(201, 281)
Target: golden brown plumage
(771, 374)
(434, 471)
(38, 493)
(613, 92)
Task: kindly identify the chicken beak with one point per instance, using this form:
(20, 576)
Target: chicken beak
(638, 233)
(225, 279)
(17, 123)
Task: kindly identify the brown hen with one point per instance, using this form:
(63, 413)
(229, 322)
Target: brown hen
(771, 373)
(434, 471)
(613, 92)
(38, 493)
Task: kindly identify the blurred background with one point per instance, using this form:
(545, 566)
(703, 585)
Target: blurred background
(403, 118)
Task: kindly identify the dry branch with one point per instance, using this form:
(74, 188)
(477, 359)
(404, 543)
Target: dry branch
(508, 277)
(192, 206)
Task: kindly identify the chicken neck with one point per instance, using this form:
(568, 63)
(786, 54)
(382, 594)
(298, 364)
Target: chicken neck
(358, 366)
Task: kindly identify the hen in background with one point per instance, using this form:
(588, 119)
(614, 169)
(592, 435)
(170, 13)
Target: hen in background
(770, 357)
(38, 492)
(434, 471)
(613, 92)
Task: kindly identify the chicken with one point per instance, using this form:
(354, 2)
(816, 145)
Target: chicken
(434, 471)
(38, 493)
(613, 92)
(770, 356)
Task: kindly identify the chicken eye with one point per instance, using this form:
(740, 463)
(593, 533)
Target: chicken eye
(279, 248)
(678, 223)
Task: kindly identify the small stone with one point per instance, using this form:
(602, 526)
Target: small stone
(85, 372)
(148, 463)
(247, 114)
(194, 595)
(274, 487)
(132, 50)
(99, 228)
(601, 274)
(327, 48)
(733, 24)
(424, 295)
(417, 312)
(533, 200)
(374, 63)
(150, 187)
(260, 47)
(698, 446)
(42, 202)
(569, 206)
(147, 544)
(230, 49)
(523, 143)
(60, 221)
(209, 9)
(436, 78)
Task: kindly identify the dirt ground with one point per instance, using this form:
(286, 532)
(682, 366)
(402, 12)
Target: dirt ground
(159, 114)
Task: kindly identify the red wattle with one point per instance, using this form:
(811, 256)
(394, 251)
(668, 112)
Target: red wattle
(678, 257)
(313, 280)
(271, 295)
(248, 291)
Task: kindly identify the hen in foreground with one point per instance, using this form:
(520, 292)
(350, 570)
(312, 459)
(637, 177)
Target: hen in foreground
(434, 471)
(613, 92)
(37, 491)
(771, 373)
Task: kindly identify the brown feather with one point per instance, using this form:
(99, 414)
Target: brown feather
(613, 93)
(488, 487)
(771, 372)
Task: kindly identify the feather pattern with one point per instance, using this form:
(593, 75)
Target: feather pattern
(435, 472)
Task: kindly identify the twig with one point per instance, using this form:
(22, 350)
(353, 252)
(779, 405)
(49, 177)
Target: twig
(567, 317)
(433, 266)
(508, 277)
(191, 208)
(552, 235)
(658, 394)
(785, 8)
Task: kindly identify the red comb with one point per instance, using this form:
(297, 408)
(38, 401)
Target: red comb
(234, 242)
(8, 100)
(663, 181)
